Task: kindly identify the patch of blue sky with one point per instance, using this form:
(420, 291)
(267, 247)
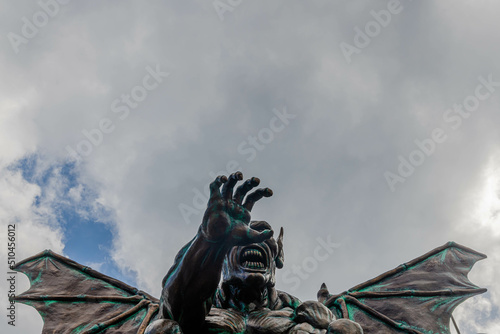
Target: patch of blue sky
(88, 226)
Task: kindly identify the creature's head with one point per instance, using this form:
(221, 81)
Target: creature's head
(255, 264)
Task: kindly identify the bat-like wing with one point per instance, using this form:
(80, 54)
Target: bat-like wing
(417, 297)
(72, 298)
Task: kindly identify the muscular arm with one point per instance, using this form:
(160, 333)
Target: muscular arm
(192, 281)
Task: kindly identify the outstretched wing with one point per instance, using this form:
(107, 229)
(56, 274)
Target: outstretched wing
(417, 297)
(72, 298)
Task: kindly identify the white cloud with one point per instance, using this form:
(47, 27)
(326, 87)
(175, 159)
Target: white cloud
(35, 231)
(480, 226)
(75, 193)
(326, 168)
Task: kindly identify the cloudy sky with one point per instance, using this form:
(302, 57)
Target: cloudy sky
(375, 123)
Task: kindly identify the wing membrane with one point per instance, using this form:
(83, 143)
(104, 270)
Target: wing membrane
(417, 297)
(72, 298)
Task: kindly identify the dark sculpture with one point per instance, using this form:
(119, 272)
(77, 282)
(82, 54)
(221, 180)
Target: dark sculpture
(417, 297)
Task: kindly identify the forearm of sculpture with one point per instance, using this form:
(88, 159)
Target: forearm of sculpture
(192, 281)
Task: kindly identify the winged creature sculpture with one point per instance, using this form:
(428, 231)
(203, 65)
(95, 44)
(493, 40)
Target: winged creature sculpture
(417, 297)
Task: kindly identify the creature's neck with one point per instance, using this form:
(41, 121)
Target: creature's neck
(245, 298)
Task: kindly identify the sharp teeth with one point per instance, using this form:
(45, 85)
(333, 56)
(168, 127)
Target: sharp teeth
(253, 258)
(253, 265)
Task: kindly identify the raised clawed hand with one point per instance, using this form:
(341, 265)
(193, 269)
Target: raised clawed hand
(228, 212)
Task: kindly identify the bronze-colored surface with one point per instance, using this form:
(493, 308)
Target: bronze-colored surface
(417, 297)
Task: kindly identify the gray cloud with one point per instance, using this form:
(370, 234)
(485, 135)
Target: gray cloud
(326, 166)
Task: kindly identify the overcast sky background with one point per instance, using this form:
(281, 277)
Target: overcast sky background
(134, 198)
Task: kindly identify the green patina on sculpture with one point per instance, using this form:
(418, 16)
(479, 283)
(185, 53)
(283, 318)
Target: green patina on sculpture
(417, 297)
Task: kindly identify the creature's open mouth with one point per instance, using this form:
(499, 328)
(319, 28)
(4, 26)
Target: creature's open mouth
(253, 257)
